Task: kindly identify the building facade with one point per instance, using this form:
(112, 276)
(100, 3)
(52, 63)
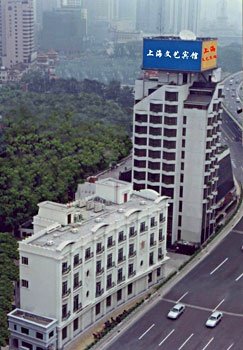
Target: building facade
(17, 32)
(89, 257)
(176, 140)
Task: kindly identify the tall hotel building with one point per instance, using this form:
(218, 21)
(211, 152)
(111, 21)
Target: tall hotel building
(17, 32)
(176, 131)
(86, 259)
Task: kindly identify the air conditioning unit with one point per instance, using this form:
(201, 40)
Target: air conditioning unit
(74, 230)
(98, 220)
(49, 243)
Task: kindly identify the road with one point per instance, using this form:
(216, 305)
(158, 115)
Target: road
(231, 134)
(215, 283)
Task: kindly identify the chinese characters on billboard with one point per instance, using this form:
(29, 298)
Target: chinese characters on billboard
(179, 55)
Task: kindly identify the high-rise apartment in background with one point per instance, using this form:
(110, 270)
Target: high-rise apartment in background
(176, 133)
(167, 16)
(17, 32)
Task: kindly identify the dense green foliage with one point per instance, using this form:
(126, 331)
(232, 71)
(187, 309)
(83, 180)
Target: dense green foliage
(51, 143)
(8, 274)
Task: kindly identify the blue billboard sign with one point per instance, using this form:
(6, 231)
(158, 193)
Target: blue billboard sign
(172, 54)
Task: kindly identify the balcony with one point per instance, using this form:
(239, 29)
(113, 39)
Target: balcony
(152, 243)
(111, 244)
(121, 259)
(99, 271)
(161, 256)
(133, 234)
(66, 316)
(120, 240)
(162, 221)
(78, 285)
(77, 307)
(99, 293)
(120, 280)
(87, 257)
(132, 254)
(131, 274)
(66, 270)
(100, 251)
(77, 263)
(144, 229)
(161, 239)
(66, 293)
(109, 266)
(155, 223)
(111, 285)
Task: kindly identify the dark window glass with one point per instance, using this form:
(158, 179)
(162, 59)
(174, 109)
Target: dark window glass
(108, 301)
(39, 335)
(169, 192)
(139, 175)
(75, 324)
(140, 129)
(27, 345)
(139, 163)
(169, 155)
(140, 152)
(184, 119)
(171, 109)
(171, 96)
(180, 206)
(129, 289)
(154, 165)
(141, 118)
(24, 330)
(25, 261)
(168, 167)
(168, 180)
(155, 131)
(154, 107)
(154, 154)
(169, 144)
(119, 295)
(170, 121)
(141, 141)
(155, 119)
(64, 333)
(154, 143)
(153, 177)
(181, 191)
(170, 132)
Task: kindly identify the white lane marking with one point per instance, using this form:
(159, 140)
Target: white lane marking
(210, 341)
(182, 297)
(218, 305)
(186, 341)
(166, 337)
(230, 346)
(216, 268)
(239, 277)
(141, 336)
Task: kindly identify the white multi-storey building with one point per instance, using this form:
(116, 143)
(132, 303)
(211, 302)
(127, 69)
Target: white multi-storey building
(17, 32)
(176, 138)
(85, 259)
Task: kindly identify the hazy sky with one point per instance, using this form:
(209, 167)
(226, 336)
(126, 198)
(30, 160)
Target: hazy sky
(210, 8)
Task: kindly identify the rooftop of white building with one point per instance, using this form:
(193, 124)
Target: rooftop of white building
(92, 213)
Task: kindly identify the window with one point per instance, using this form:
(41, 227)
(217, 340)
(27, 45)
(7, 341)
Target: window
(141, 141)
(25, 261)
(184, 132)
(183, 144)
(141, 118)
(108, 301)
(154, 107)
(168, 180)
(76, 260)
(142, 227)
(183, 154)
(130, 269)
(181, 191)
(25, 283)
(139, 163)
(119, 275)
(155, 131)
(75, 324)
(27, 345)
(131, 231)
(140, 152)
(153, 177)
(152, 222)
(109, 260)
(64, 310)
(24, 330)
(171, 96)
(154, 154)
(182, 166)
(151, 258)
(158, 271)
(139, 175)
(120, 255)
(64, 287)
(154, 165)
(169, 144)
(184, 119)
(150, 277)
(140, 129)
(170, 121)
(51, 334)
(64, 333)
(168, 167)
(129, 289)
(179, 220)
(109, 281)
(97, 309)
(75, 303)
(169, 156)
(39, 335)
(131, 249)
(171, 109)
(161, 235)
(154, 143)
(155, 119)
(160, 255)
(76, 280)
(98, 266)
(98, 247)
(87, 253)
(180, 206)
(119, 295)
(152, 239)
(120, 236)
(181, 178)
(110, 242)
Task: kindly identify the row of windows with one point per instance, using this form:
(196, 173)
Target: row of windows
(155, 131)
(38, 335)
(158, 108)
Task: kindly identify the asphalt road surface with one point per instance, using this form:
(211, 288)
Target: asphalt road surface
(215, 283)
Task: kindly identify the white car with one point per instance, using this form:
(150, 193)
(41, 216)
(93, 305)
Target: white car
(214, 319)
(176, 311)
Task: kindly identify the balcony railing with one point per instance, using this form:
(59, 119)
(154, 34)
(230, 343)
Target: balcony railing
(161, 239)
(120, 280)
(121, 259)
(66, 316)
(87, 257)
(66, 270)
(99, 271)
(131, 274)
(77, 307)
(132, 234)
(132, 254)
(99, 251)
(122, 239)
(153, 224)
(143, 229)
(111, 285)
(109, 266)
(99, 293)
(66, 293)
(152, 243)
(77, 263)
(111, 244)
(161, 256)
(76, 286)
(162, 220)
